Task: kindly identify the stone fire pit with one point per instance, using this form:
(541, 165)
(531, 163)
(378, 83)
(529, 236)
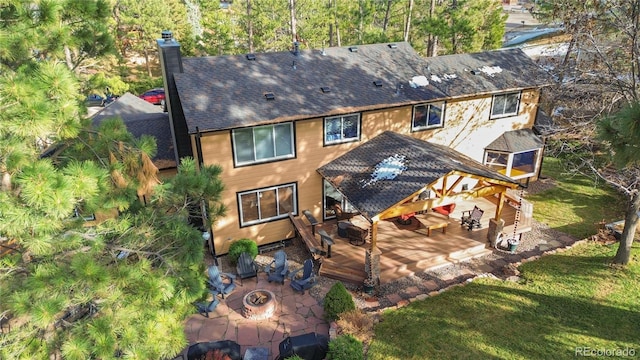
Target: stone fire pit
(258, 305)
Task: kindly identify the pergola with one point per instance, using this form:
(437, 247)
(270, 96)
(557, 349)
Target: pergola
(393, 175)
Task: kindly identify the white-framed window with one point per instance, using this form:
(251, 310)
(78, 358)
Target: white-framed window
(428, 116)
(340, 129)
(263, 143)
(514, 165)
(505, 105)
(267, 204)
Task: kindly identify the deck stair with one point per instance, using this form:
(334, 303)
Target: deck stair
(344, 272)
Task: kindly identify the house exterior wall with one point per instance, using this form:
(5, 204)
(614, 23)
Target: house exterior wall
(467, 129)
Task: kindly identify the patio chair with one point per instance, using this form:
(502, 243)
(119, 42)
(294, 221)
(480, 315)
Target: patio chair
(216, 284)
(471, 218)
(307, 280)
(278, 269)
(205, 308)
(246, 267)
(341, 215)
(356, 235)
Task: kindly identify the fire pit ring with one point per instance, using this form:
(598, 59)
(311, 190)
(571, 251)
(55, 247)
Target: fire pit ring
(258, 305)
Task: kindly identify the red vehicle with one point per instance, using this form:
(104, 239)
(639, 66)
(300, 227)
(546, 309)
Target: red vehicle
(154, 96)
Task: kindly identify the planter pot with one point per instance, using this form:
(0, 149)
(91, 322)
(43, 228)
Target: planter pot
(367, 289)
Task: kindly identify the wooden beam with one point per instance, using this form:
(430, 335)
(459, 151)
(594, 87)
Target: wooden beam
(499, 206)
(374, 234)
(450, 189)
(423, 205)
(484, 178)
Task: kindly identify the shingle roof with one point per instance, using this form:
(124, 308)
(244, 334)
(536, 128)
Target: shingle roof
(224, 92)
(516, 141)
(351, 173)
(143, 118)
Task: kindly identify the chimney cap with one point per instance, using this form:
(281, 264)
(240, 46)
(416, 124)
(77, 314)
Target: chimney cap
(167, 35)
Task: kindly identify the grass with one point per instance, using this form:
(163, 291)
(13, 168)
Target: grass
(575, 205)
(566, 301)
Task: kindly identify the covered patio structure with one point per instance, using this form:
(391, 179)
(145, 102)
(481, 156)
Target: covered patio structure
(399, 186)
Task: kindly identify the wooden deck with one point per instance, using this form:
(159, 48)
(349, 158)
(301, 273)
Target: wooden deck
(407, 249)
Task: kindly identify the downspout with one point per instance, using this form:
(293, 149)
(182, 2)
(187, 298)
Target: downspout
(205, 209)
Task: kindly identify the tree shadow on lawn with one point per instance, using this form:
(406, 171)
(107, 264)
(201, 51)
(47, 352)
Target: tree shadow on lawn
(582, 210)
(484, 320)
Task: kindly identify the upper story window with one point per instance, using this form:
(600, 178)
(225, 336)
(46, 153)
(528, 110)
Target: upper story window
(267, 204)
(263, 143)
(505, 105)
(427, 116)
(340, 129)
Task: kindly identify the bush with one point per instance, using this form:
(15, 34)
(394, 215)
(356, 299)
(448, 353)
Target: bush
(294, 357)
(337, 301)
(357, 324)
(243, 245)
(345, 347)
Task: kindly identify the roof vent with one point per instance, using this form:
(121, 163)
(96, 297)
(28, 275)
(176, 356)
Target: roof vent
(269, 96)
(251, 56)
(393, 46)
(325, 89)
(353, 49)
(294, 65)
(377, 83)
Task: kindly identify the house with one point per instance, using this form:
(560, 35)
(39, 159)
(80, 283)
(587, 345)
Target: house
(143, 118)
(284, 125)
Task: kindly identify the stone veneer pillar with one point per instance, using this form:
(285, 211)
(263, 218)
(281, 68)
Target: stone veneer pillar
(372, 264)
(495, 228)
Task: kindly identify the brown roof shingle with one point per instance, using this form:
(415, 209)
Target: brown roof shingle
(425, 162)
(225, 92)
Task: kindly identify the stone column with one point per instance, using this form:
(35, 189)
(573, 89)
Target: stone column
(372, 264)
(495, 228)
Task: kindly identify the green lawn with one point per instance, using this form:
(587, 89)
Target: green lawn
(575, 204)
(566, 301)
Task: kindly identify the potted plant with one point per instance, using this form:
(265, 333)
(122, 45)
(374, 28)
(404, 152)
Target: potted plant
(368, 285)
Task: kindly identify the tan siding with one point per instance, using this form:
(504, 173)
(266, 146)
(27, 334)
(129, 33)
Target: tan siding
(467, 129)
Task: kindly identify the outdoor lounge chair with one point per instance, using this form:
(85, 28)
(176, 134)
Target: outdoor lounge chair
(356, 235)
(278, 269)
(217, 285)
(471, 218)
(341, 215)
(204, 308)
(307, 280)
(246, 267)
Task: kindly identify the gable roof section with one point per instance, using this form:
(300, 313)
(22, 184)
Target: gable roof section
(423, 162)
(225, 92)
(516, 141)
(143, 118)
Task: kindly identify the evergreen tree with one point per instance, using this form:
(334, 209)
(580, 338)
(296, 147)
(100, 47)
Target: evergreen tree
(119, 288)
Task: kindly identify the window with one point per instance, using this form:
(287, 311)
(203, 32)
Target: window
(427, 116)
(333, 197)
(263, 143)
(267, 204)
(505, 105)
(340, 129)
(515, 165)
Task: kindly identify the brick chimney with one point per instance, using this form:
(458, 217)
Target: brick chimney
(171, 63)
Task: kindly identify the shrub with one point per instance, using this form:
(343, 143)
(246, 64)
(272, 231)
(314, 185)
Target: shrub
(337, 301)
(345, 347)
(294, 357)
(357, 324)
(243, 245)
